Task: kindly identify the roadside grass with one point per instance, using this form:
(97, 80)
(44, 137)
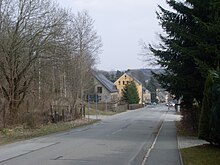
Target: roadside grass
(9, 135)
(198, 155)
(18, 133)
(98, 112)
(201, 155)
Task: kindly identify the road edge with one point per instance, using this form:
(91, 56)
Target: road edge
(140, 156)
(180, 155)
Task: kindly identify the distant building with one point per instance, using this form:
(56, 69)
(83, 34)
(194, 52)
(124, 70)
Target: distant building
(104, 88)
(126, 78)
(145, 76)
(162, 95)
(146, 96)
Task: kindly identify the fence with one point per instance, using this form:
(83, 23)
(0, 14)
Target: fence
(109, 107)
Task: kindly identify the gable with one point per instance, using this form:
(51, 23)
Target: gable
(107, 84)
(126, 78)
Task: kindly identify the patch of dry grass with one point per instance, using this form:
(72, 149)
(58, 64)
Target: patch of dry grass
(9, 135)
(98, 112)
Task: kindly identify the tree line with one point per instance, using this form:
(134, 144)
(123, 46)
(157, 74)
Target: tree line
(46, 53)
(189, 51)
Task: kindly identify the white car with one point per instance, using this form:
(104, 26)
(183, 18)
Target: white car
(170, 104)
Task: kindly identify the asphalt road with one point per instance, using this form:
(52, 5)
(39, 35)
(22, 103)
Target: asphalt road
(117, 140)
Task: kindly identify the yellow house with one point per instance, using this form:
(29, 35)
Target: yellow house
(125, 79)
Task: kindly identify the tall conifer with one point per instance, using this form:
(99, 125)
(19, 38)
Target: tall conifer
(189, 48)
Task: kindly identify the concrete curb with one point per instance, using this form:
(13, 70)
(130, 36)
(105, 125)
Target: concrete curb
(141, 155)
(180, 155)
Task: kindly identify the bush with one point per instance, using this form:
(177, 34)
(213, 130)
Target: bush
(30, 120)
(209, 125)
(204, 122)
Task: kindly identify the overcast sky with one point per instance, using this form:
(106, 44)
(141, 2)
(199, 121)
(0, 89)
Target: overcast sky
(122, 24)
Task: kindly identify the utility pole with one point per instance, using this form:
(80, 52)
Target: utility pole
(39, 78)
(96, 109)
(168, 101)
(88, 105)
(106, 105)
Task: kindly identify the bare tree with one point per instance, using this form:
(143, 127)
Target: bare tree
(87, 46)
(83, 50)
(29, 30)
(45, 54)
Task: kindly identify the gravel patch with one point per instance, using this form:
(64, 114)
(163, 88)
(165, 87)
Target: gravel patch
(189, 141)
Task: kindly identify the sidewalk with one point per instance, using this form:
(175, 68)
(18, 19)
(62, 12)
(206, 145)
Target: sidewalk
(166, 150)
(167, 146)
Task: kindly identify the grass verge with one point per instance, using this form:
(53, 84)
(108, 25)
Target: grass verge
(19, 133)
(98, 112)
(201, 155)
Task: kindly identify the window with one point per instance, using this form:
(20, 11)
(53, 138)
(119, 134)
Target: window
(123, 82)
(99, 89)
(119, 82)
(125, 76)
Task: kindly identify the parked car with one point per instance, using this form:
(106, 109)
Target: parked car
(170, 104)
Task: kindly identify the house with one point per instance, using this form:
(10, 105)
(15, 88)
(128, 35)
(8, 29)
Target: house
(162, 95)
(126, 78)
(146, 96)
(105, 89)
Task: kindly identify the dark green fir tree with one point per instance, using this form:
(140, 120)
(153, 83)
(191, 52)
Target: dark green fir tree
(130, 94)
(189, 48)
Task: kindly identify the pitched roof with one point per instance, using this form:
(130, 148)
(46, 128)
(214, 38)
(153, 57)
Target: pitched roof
(110, 86)
(129, 74)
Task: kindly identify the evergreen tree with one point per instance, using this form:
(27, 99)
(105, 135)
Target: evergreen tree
(110, 76)
(209, 126)
(190, 47)
(118, 74)
(215, 116)
(204, 123)
(130, 94)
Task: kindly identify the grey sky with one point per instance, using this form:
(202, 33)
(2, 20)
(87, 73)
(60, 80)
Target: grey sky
(121, 25)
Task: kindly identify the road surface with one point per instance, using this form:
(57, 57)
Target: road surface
(121, 139)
